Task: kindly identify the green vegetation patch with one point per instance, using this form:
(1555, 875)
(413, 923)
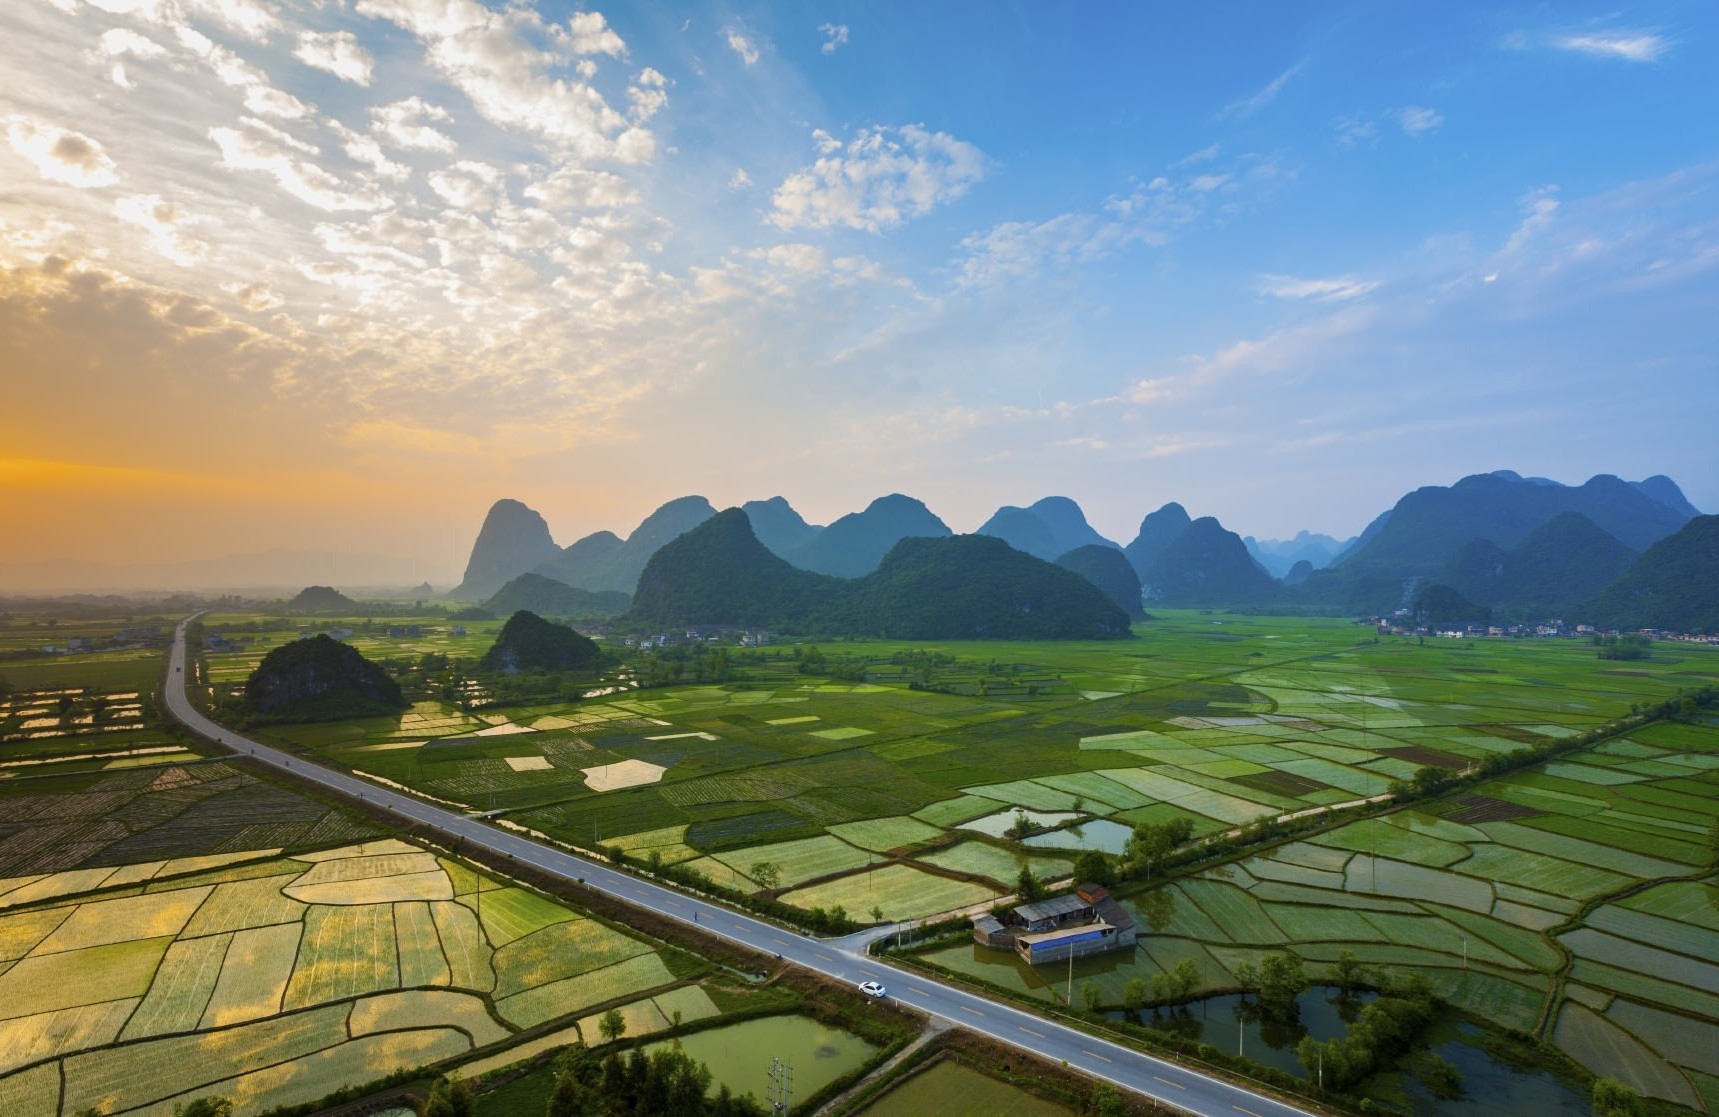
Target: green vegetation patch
(513, 913)
(953, 812)
(254, 976)
(572, 994)
(345, 952)
(138, 1074)
(883, 834)
(238, 905)
(901, 891)
(952, 1090)
(801, 860)
(559, 951)
(421, 959)
(181, 988)
(1001, 865)
(110, 972)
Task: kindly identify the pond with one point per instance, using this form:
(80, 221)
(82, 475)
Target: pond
(739, 1055)
(997, 825)
(1231, 1024)
(1100, 834)
(1490, 1086)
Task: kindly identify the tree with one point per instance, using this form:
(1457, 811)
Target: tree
(1247, 976)
(1185, 978)
(768, 874)
(1612, 1098)
(1090, 995)
(205, 1107)
(1096, 866)
(612, 1025)
(1349, 972)
(877, 913)
(1281, 980)
(1134, 994)
(1027, 886)
(449, 1097)
(1107, 1102)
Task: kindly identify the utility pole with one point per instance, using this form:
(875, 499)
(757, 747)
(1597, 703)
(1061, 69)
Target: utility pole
(1071, 977)
(781, 1089)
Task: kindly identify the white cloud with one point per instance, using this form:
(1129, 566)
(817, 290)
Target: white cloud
(573, 188)
(503, 62)
(406, 124)
(254, 296)
(265, 100)
(1628, 46)
(648, 94)
(835, 34)
(337, 52)
(1284, 351)
(164, 222)
(1416, 119)
(1353, 131)
(59, 154)
(880, 178)
(1247, 106)
(740, 180)
(1335, 289)
(118, 42)
(1538, 208)
(591, 34)
(256, 149)
(741, 44)
(469, 185)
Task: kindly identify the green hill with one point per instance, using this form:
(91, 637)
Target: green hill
(527, 642)
(1157, 531)
(1107, 568)
(1557, 566)
(960, 587)
(856, 543)
(1207, 565)
(1673, 586)
(322, 599)
(320, 679)
(719, 573)
(1441, 605)
(978, 587)
(548, 598)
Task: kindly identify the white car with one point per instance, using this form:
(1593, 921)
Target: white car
(872, 989)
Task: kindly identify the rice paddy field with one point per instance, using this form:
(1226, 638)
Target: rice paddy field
(1573, 899)
(274, 980)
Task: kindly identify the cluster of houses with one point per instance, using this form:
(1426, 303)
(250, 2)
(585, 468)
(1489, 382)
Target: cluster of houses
(1395, 625)
(732, 634)
(1087, 921)
(129, 637)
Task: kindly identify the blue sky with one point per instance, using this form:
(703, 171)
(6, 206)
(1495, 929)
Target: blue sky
(1281, 263)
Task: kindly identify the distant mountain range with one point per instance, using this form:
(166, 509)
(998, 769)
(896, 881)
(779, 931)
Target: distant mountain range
(925, 588)
(1519, 547)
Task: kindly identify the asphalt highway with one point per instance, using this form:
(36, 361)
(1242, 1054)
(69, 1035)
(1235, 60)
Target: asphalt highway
(839, 959)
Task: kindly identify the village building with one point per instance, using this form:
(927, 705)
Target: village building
(1085, 922)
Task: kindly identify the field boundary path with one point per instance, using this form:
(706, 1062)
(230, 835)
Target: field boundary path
(1168, 1083)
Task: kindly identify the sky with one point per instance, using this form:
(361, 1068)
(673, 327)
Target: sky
(338, 274)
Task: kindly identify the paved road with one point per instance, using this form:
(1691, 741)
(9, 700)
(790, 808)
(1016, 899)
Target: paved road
(843, 959)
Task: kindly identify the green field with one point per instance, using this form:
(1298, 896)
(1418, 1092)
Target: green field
(1478, 893)
(857, 790)
(234, 987)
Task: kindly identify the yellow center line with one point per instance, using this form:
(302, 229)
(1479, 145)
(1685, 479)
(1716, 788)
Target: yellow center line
(1249, 1112)
(1030, 1032)
(1095, 1055)
(1167, 1082)
(974, 1011)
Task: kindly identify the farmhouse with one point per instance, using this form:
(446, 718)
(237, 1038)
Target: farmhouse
(1086, 922)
